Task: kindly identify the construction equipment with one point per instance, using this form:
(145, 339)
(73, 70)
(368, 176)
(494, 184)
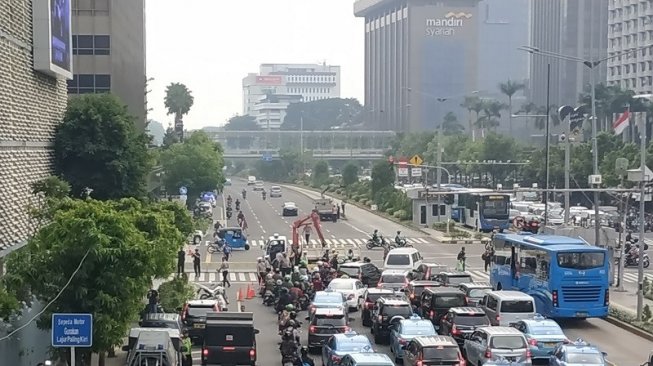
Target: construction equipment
(313, 253)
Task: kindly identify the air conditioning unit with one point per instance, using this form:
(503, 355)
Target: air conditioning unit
(594, 179)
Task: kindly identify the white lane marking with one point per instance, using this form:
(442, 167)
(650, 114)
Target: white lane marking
(350, 242)
(241, 276)
(343, 242)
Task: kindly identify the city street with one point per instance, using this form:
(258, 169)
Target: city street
(264, 219)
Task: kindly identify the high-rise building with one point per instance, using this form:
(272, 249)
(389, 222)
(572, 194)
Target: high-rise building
(420, 60)
(630, 25)
(576, 28)
(109, 52)
(32, 104)
(310, 81)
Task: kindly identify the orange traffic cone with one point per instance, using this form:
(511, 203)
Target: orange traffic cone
(250, 292)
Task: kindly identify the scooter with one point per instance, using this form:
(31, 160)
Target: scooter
(268, 298)
(402, 243)
(634, 262)
(264, 195)
(371, 244)
(216, 247)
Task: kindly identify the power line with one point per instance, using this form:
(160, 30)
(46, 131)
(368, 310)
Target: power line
(51, 301)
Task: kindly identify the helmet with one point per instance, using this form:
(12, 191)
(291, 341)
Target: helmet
(303, 263)
(316, 269)
(290, 307)
(332, 270)
(286, 277)
(376, 231)
(279, 282)
(268, 276)
(296, 284)
(398, 232)
(319, 263)
(304, 278)
(259, 259)
(293, 315)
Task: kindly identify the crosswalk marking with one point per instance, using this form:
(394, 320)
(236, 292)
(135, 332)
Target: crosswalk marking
(206, 277)
(335, 243)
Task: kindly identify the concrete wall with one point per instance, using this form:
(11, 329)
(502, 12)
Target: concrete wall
(31, 105)
(608, 236)
(430, 218)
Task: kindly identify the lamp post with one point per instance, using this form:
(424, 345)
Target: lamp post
(591, 64)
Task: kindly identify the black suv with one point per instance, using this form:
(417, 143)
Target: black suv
(436, 302)
(194, 316)
(427, 271)
(325, 322)
(461, 322)
(415, 288)
(369, 302)
(453, 279)
(229, 336)
(388, 311)
(432, 350)
(367, 273)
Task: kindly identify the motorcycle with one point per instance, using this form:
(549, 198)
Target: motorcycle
(402, 243)
(634, 262)
(269, 298)
(214, 292)
(264, 195)
(238, 206)
(244, 194)
(371, 244)
(216, 247)
(303, 302)
(229, 214)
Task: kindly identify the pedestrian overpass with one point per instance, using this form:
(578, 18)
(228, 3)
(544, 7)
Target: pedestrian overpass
(327, 145)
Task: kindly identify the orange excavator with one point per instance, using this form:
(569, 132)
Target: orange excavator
(312, 253)
(312, 219)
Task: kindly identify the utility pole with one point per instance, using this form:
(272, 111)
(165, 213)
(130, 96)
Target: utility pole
(548, 143)
(567, 168)
(642, 221)
(301, 140)
(595, 155)
(438, 173)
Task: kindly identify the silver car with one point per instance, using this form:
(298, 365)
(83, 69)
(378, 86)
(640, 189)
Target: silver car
(492, 344)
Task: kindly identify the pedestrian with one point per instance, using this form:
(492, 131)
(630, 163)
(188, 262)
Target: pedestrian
(226, 250)
(461, 259)
(338, 211)
(307, 234)
(342, 208)
(488, 257)
(196, 262)
(181, 259)
(224, 269)
(261, 270)
(284, 264)
(187, 349)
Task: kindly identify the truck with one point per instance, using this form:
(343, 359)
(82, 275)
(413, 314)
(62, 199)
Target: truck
(326, 208)
(229, 339)
(154, 346)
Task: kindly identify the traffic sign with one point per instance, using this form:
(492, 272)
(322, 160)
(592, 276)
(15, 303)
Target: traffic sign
(416, 160)
(183, 190)
(402, 172)
(72, 330)
(416, 172)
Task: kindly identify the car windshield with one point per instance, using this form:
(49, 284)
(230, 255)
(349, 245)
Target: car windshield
(507, 342)
(333, 320)
(457, 280)
(354, 347)
(328, 299)
(416, 330)
(583, 260)
(341, 285)
(479, 292)
(449, 301)
(199, 311)
(472, 320)
(349, 271)
(517, 306)
(394, 310)
(585, 358)
(398, 260)
(444, 353)
(393, 279)
(546, 330)
(493, 208)
(374, 297)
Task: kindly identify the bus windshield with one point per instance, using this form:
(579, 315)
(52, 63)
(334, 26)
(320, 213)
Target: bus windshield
(495, 207)
(581, 260)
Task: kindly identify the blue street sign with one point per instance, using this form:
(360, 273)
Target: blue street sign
(72, 330)
(267, 156)
(183, 190)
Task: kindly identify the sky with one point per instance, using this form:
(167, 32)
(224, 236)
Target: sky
(210, 45)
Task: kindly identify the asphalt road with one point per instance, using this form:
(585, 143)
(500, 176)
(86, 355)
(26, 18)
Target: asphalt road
(264, 219)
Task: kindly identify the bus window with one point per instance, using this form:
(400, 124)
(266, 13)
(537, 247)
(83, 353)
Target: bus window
(581, 261)
(543, 268)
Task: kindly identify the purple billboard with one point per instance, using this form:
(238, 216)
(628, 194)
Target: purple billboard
(60, 33)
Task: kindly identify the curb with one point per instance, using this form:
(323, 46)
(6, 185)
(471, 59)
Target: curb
(630, 328)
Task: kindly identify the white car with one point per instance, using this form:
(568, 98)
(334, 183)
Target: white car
(258, 186)
(275, 191)
(289, 209)
(352, 288)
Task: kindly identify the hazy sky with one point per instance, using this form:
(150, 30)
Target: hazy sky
(210, 45)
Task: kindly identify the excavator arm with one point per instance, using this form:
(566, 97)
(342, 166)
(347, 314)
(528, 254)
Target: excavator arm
(312, 219)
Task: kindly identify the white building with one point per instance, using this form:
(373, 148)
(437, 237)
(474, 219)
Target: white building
(309, 81)
(630, 26)
(270, 111)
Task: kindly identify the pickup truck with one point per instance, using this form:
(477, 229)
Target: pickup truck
(326, 209)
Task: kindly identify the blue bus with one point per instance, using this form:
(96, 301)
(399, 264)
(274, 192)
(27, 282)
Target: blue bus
(567, 277)
(485, 210)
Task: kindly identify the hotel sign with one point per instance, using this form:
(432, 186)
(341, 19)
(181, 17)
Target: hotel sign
(447, 25)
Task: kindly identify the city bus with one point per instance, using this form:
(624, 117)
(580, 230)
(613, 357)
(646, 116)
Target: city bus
(567, 277)
(485, 210)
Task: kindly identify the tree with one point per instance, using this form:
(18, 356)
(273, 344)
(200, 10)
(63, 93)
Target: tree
(324, 114)
(156, 131)
(178, 100)
(97, 257)
(383, 177)
(349, 174)
(97, 146)
(195, 164)
(450, 125)
(320, 173)
(491, 114)
(242, 123)
(509, 88)
(170, 138)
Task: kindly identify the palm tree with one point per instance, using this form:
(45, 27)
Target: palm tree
(469, 104)
(509, 88)
(178, 100)
(450, 125)
(491, 109)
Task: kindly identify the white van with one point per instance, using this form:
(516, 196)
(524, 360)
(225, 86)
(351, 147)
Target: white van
(505, 307)
(403, 258)
(251, 180)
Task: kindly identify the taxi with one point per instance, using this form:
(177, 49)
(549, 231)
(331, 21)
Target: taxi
(403, 332)
(341, 345)
(543, 335)
(579, 353)
(327, 299)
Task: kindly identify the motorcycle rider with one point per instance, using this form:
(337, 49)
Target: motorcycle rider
(229, 212)
(263, 194)
(244, 195)
(288, 348)
(334, 261)
(350, 255)
(287, 282)
(399, 240)
(304, 358)
(296, 291)
(237, 205)
(633, 254)
(241, 216)
(375, 237)
(317, 282)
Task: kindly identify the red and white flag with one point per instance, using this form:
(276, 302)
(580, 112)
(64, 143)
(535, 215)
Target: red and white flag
(620, 124)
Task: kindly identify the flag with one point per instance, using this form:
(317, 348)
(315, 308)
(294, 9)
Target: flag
(620, 124)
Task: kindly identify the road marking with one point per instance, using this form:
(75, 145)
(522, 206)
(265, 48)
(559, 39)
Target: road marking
(350, 242)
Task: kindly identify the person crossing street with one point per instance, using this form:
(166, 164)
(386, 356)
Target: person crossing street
(196, 262)
(307, 234)
(224, 269)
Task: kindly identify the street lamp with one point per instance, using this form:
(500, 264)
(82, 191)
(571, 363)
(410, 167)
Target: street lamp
(591, 64)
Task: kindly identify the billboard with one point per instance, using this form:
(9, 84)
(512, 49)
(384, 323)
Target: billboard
(53, 52)
(269, 80)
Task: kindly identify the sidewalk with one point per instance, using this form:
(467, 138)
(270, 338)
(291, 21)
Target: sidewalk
(119, 360)
(627, 300)
(444, 239)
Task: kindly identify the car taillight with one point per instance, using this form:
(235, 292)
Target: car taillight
(311, 329)
(380, 284)
(554, 297)
(532, 342)
(461, 360)
(228, 349)
(368, 305)
(529, 354)
(402, 341)
(498, 318)
(216, 308)
(606, 301)
(455, 331)
(432, 314)
(335, 358)
(419, 363)
(488, 353)
(312, 308)
(467, 300)
(412, 296)
(205, 352)
(252, 354)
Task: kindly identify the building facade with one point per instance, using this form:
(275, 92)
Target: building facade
(420, 60)
(109, 52)
(577, 28)
(32, 104)
(309, 81)
(630, 26)
(270, 111)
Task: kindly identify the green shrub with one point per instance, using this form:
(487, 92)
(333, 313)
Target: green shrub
(646, 313)
(175, 293)
(400, 214)
(478, 236)
(442, 226)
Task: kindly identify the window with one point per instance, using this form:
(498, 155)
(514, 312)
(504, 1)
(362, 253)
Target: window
(91, 45)
(517, 306)
(89, 83)
(582, 260)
